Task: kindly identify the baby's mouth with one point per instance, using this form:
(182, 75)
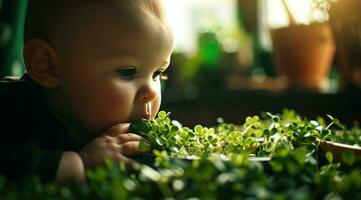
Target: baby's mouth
(144, 113)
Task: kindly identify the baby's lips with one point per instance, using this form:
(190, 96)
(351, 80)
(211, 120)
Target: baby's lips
(146, 116)
(142, 116)
(143, 112)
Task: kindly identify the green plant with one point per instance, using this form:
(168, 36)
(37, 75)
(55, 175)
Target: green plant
(222, 169)
(258, 136)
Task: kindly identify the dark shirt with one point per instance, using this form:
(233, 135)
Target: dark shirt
(32, 139)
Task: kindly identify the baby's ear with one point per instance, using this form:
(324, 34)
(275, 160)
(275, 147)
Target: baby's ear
(41, 61)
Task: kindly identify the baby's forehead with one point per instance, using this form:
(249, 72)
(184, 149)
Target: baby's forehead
(113, 26)
(47, 17)
(145, 7)
(129, 15)
(132, 15)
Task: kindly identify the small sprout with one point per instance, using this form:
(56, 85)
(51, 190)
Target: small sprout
(335, 122)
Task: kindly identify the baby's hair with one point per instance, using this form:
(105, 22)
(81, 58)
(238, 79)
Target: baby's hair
(43, 16)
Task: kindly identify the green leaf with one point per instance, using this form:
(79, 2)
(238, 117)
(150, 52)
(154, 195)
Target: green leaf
(204, 131)
(269, 115)
(325, 133)
(159, 141)
(177, 124)
(348, 157)
(178, 185)
(329, 157)
(329, 116)
(282, 152)
(198, 129)
(144, 146)
(184, 134)
(249, 120)
(314, 123)
(275, 119)
(150, 173)
(140, 126)
(300, 155)
(338, 124)
(162, 115)
(277, 166)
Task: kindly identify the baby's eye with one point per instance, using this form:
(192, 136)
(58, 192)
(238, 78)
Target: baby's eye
(161, 74)
(127, 73)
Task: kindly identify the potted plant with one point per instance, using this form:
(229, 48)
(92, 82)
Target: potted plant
(304, 53)
(342, 142)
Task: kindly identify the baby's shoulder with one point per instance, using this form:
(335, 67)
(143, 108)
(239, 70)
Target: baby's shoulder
(11, 87)
(17, 93)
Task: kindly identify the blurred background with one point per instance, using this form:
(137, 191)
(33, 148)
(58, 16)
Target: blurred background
(236, 58)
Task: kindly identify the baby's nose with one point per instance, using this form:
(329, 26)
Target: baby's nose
(147, 93)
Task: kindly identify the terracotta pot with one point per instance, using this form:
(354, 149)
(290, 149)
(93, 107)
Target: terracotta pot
(304, 54)
(337, 149)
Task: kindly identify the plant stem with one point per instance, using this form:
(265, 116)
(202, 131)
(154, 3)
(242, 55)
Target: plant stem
(329, 125)
(291, 19)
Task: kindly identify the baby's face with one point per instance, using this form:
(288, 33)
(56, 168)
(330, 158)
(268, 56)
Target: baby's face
(111, 71)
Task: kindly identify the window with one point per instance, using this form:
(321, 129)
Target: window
(188, 17)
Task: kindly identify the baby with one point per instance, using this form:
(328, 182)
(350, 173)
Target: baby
(92, 66)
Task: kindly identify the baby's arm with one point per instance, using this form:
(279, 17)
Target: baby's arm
(116, 144)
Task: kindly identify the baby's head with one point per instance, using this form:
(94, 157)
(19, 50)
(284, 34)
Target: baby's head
(100, 62)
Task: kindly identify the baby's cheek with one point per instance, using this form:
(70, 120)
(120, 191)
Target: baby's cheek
(115, 105)
(119, 102)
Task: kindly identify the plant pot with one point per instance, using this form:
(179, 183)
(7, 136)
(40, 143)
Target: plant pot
(345, 19)
(337, 149)
(303, 54)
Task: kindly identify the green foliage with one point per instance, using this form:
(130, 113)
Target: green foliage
(258, 136)
(216, 163)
